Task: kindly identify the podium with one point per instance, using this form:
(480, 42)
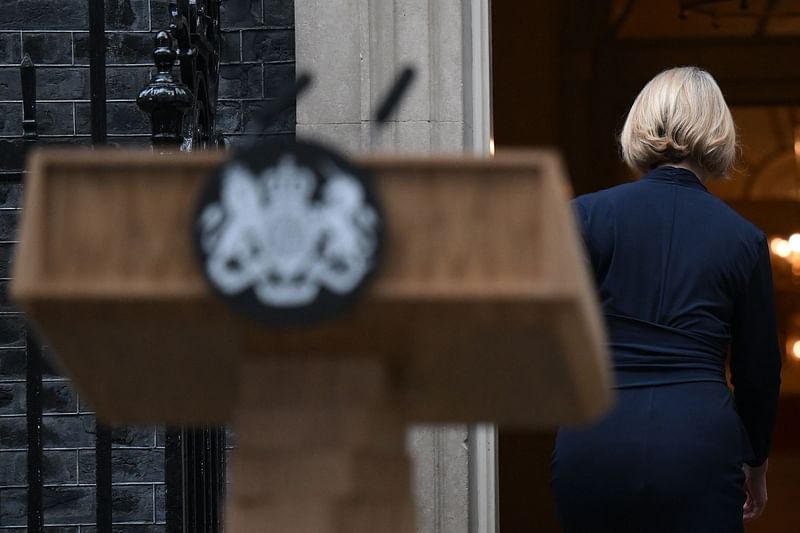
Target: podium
(483, 311)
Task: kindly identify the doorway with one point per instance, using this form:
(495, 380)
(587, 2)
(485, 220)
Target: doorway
(564, 74)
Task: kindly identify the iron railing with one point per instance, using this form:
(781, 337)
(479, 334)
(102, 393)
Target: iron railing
(194, 464)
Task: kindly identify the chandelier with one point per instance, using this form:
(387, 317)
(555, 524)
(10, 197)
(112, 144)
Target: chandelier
(788, 250)
(792, 340)
(707, 7)
(714, 9)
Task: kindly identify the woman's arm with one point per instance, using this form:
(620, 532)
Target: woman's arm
(756, 357)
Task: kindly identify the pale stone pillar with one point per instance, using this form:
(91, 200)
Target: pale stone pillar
(355, 49)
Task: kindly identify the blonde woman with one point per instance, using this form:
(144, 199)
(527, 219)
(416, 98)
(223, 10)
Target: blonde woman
(683, 281)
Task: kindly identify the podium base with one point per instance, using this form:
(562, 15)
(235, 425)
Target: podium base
(320, 449)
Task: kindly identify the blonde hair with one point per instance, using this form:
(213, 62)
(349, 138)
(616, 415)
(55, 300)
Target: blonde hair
(680, 114)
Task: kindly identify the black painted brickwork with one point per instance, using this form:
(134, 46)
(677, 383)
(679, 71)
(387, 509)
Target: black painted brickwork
(258, 58)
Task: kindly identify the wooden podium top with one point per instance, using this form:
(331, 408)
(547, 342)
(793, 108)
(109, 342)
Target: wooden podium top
(483, 307)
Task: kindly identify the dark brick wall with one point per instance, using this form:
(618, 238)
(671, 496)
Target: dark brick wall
(258, 58)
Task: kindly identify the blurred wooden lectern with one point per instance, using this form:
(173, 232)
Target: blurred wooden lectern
(483, 311)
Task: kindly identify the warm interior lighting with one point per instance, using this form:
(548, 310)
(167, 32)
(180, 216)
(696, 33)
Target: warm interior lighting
(491, 147)
(797, 143)
(796, 350)
(780, 247)
(788, 250)
(794, 242)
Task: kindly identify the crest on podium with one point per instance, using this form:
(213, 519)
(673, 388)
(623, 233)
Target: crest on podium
(289, 233)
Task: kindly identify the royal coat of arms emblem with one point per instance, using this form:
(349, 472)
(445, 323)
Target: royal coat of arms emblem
(289, 233)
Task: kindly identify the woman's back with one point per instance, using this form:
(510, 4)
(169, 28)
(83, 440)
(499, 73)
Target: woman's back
(681, 278)
(671, 262)
(667, 251)
(683, 281)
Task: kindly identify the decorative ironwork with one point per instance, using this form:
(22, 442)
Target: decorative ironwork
(97, 70)
(195, 479)
(195, 26)
(99, 121)
(196, 29)
(33, 399)
(194, 458)
(164, 98)
(28, 79)
(182, 113)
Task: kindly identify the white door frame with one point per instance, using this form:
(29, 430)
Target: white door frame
(483, 472)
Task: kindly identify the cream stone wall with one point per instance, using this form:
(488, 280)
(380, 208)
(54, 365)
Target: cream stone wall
(355, 50)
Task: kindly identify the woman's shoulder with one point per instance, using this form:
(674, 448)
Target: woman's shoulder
(605, 197)
(744, 228)
(635, 198)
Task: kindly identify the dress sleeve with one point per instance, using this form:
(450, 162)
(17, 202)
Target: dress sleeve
(756, 357)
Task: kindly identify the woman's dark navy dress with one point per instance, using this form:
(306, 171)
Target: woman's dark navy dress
(683, 281)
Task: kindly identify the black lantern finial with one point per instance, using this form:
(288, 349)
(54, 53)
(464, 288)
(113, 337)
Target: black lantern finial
(164, 98)
(28, 78)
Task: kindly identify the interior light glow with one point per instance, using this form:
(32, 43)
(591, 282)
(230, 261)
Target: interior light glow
(797, 142)
(794, 242)
(796, 350)
(780, 247)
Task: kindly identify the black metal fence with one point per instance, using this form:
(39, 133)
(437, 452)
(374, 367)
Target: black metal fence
(195, 479)
(194, 458)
